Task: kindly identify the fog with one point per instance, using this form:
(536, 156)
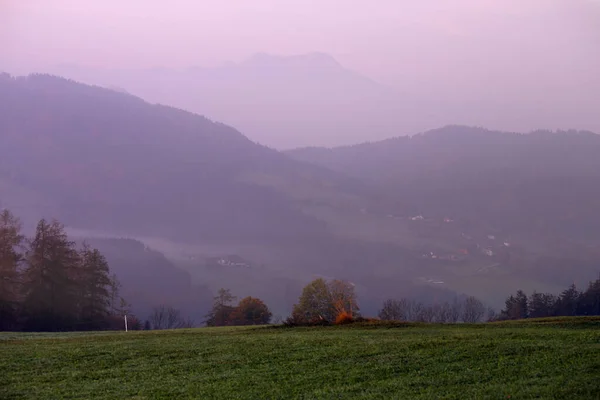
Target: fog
(430, 150)
(511, 65)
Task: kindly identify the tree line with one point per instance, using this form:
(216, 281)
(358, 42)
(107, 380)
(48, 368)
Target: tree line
(468, 310)
(248, 311)
(570, 302)
(47, 283)
(321, 302)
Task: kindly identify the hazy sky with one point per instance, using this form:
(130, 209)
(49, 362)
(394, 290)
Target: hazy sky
(540, 57)
(386, 39)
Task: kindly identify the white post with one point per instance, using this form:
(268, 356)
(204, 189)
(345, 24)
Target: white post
(125, 322)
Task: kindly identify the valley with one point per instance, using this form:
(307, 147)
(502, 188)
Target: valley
(433, 216)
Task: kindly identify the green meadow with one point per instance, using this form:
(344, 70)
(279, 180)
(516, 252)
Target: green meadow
(549, 358)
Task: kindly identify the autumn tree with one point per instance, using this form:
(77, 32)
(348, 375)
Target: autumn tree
(10, 257)
(343, 297)
(322, 302)
(251, 311)
(315, 304)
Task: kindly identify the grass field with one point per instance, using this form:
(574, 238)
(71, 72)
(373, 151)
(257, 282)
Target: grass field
(557, 358)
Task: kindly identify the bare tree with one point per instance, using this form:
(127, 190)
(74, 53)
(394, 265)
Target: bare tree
(455, 311)
(474, 310)
(491, 314)
(428, 314)
(418, 312)
(444, 313)
(397, 310)
(167, 317)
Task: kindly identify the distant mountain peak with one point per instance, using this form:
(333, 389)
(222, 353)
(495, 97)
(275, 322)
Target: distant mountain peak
(313, 59)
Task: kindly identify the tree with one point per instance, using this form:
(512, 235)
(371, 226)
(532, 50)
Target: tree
(50, 300)
(515, 307)
(96, 285)
(251, 311)
(220, 314)
(491, 314)
(315, 305)
(394, 310)
(167, 317)
(426, 313)
(114, 290)
(567, 301)
(343, 297)
(589, 301)
(473, 310)
(542, 305)
(10, 257)
(522, 305)
(455, 311)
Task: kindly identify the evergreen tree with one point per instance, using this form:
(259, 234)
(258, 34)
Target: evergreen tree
(95, 284)
(114, 290)
(542, 305)
(10, 258)
(50, 298)
(589, 301)
(220, 314)
(522, 305)
(567, 301)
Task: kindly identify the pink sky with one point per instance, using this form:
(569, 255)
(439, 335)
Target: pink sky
(387, 39)
(538, 57)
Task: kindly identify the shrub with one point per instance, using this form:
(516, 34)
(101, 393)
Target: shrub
(344, 318)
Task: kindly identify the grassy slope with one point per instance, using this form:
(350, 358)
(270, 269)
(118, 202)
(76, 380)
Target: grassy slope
(554, 359)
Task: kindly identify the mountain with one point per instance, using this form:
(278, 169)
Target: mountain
(313, 100)
(96, 158)
(455, 210)
(541, 182)
(501, 205)
(279, 101)
(149, 279)
(110, 165)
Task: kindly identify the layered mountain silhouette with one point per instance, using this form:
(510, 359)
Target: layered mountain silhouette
(313, 100)
(453, 210)
(96, 158)
(543, 182)
(279, 101)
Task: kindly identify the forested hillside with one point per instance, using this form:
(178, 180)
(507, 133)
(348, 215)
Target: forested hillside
(107, 160)
(538, 183)
(449, 212)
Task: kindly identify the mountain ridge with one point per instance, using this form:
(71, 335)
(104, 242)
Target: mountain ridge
(85, 140)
